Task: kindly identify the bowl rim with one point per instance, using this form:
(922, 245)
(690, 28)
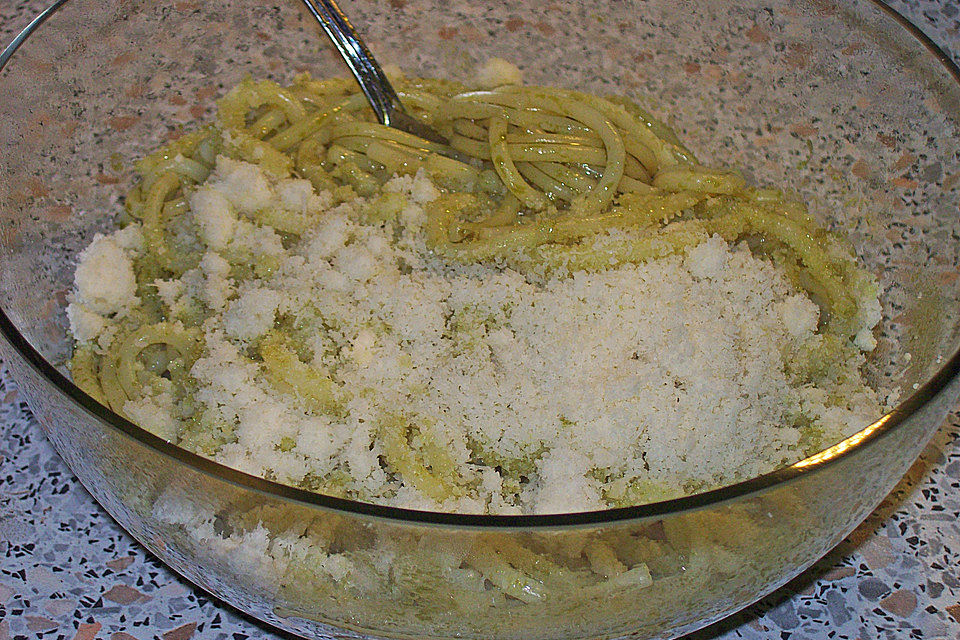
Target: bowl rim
(885, 425)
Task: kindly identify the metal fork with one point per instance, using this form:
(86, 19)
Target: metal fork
(373, 82)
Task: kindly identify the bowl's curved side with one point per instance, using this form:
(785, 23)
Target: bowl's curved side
(314, 573)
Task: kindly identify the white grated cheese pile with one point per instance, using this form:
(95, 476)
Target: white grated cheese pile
(552, 396)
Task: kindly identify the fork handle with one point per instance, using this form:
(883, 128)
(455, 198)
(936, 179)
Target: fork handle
(373, 82)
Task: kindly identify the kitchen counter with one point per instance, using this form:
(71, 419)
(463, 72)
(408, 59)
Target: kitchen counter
(67, 570)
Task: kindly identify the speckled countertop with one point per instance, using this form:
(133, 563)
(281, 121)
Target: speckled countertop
(68, 571)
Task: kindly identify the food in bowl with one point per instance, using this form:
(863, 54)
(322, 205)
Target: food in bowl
(569, 314)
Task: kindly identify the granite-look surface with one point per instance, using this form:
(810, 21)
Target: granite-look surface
(68, 571)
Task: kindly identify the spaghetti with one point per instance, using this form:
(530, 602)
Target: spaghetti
(546, 182)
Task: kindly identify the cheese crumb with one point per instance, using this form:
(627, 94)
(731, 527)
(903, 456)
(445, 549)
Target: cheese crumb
(213, 214)
(155, 414)
(130, 238)
(105, 282)
(356, 261)
(865, 340)
(563, 482)
(217, 286)
(169, 291)
(252, 314)
(243, 184)
(496, 72)
(800, 315)
(85, 325)
(298, 196)
(708, 259)
(422, 190)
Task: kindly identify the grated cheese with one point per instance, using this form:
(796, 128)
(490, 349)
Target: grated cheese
(671, 374)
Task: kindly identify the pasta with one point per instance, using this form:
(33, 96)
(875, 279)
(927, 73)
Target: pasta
(537, 182)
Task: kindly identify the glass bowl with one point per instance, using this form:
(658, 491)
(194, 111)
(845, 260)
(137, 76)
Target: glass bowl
(844, 103)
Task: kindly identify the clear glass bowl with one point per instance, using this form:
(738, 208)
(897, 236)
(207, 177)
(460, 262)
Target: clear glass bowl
(844, 103)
